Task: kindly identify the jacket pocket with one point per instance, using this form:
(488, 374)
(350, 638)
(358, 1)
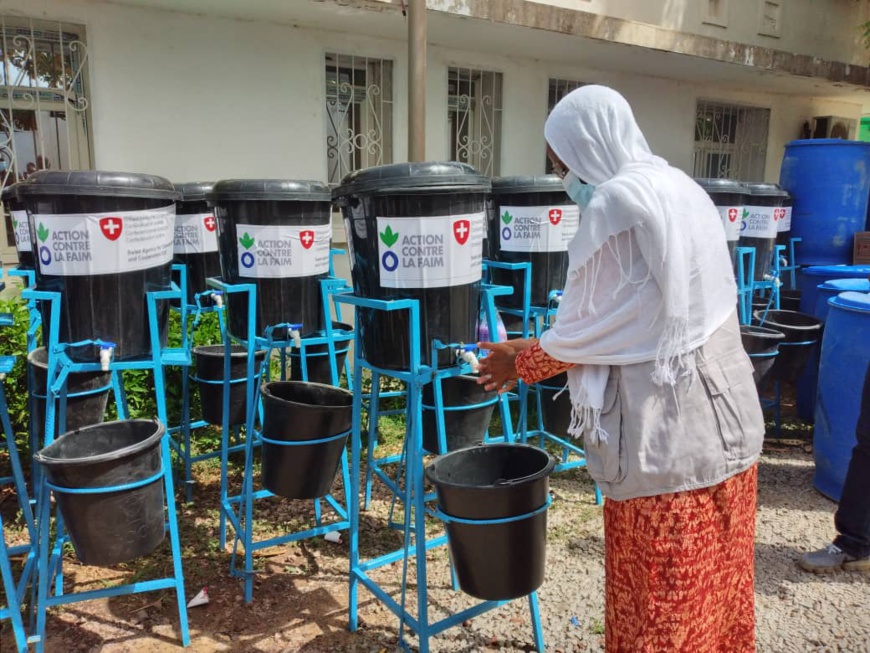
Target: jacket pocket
(606, 456)
(734, 400)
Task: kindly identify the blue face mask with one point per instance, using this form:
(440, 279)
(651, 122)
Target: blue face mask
(577, 190)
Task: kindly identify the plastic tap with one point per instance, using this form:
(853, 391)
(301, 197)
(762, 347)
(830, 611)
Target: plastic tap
(467, 355)
(294, 333)
(107, 350)
(218, 298)
(556, 296)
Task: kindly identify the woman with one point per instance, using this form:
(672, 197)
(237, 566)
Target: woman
(661, 388)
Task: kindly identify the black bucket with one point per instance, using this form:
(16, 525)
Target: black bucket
(790, 300)
(209, 361)
(275, 234)
(730, 198)
(759, 225)
(555, 411)
(495, 481)
(415, 231)
(295, 412)
(762, 345)
(802, 334)
(87, 395)
(16, 223)
(113, 527)
(103, 241)
(467, 413)
(533, 220)
(196, 243)
(317, 357)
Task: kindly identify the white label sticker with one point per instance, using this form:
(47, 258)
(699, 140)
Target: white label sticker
(783, 222)
(430, 252)
(22, 231)
(280, 252)
(86, 244)
(195, 233)
(732, 218)
(758, 222)
(538, 228)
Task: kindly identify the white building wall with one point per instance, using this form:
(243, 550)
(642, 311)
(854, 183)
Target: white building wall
(200, 97)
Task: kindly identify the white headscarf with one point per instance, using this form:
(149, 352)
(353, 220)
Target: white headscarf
(639, 202)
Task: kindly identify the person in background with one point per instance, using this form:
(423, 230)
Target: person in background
(661, 387)
(850, 550)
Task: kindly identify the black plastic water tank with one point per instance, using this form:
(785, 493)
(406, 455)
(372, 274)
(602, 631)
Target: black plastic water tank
(763, 210)
(415, 230)
(196, 242)
(730, 198)
(275, 234)
(102, 240)
(533, 219)
(16, 224)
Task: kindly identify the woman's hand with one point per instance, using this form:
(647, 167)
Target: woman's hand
(498, 368)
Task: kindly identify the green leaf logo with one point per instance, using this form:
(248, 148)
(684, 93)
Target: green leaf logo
(42, 232)
(506, 217)
(246, 241)
(745, 214)
(14, 224)
(389, 237)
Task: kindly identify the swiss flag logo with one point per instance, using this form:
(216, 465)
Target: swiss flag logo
(209, 223)
(555, 216)
(461, 230)
(306, 237)
(732, 215)
(778, 214)
(111, 227)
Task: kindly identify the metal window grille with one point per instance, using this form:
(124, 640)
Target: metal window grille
(359, 114)
(558, 88)
(730, 141)
(474, 114)
(44, 105)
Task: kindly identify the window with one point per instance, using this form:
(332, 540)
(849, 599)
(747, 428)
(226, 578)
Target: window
(359, 114)
(558, 88)
(730, 141)
(44, 105)
(474, 118)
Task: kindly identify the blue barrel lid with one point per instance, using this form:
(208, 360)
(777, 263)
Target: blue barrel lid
(768, 190)
(855, 301)
(841, 285)
(280, 190)
(528, 184)
(837, 271)
(418, 177)
(194, 191)
(96, 183)
(822, 142)
(714, 185)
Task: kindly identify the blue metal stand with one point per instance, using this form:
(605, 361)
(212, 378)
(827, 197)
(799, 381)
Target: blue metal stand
(13, 591)
(570, 455)
(49, 568)
(413, 494)
(238, 510)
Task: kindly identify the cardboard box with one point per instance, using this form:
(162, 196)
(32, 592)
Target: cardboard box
(861, 250)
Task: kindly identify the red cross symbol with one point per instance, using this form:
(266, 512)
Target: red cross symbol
(112, 227)
(732, 215)
(209, 223)
(307, 238)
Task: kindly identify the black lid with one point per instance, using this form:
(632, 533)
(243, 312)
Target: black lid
(769, 190)
(712, 185)
(528, 184)
(194, 191)
(9, 192)
(96, 183)
(421, 177)
(282, 190)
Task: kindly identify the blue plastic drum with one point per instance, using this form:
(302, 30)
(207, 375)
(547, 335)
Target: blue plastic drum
(829, 180)
(810, 278)
(844, 359)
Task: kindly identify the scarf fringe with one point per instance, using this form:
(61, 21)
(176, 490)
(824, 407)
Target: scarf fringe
(586, 422)
(672, 361)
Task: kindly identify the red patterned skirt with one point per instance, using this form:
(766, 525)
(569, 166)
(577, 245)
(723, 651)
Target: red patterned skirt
(680, 570)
